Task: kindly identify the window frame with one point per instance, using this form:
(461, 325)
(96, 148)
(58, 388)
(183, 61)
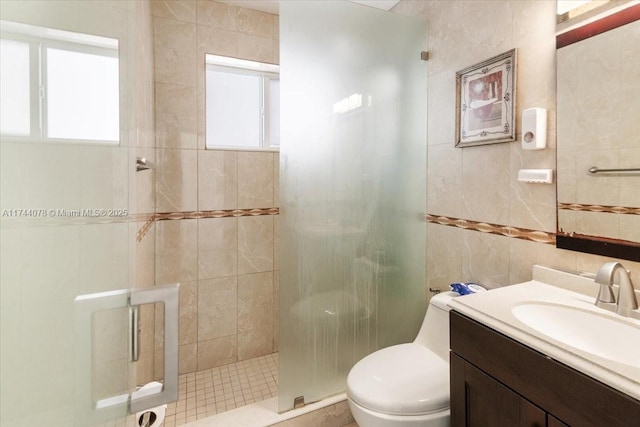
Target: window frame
(38, 46)
(266, 73)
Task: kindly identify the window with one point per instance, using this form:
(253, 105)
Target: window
(58, 86)
(242, 104)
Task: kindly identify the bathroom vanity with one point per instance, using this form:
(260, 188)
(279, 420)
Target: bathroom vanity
(506, 372)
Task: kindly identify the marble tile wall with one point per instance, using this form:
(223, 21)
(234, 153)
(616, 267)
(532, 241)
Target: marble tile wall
(226, 264)
(480, 183)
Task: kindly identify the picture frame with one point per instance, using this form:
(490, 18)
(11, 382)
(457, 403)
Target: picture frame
(486, 100)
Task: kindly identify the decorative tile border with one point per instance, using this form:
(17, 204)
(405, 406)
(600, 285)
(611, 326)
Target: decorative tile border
(502, 230)
(228, 213)
(145, 228)
(598, 208)
(215, 214)
(483, 227)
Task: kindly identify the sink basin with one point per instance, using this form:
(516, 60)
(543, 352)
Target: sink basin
(588, 331)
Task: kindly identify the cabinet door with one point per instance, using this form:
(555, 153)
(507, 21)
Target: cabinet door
(554, 422)
(477, 400)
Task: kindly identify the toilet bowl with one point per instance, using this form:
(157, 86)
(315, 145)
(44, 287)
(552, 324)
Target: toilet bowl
(406, 385)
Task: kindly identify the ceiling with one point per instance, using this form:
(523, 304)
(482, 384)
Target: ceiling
(271, 6)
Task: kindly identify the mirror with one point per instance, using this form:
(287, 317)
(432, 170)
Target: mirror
(598, 149)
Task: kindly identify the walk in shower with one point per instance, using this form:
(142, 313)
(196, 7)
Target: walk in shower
(80, 223)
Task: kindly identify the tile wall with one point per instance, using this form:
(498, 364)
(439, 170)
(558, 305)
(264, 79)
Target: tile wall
(479, 184)
(212, 240)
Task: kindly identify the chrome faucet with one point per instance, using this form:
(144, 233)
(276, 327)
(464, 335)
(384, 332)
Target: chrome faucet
(627, 303)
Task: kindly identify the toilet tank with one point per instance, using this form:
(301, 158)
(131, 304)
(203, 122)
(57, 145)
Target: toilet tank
(434, 333)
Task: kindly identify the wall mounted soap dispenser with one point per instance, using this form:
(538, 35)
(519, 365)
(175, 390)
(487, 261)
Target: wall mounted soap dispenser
(534, 129)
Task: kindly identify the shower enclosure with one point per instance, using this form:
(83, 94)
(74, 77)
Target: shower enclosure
(76, 249)
(352, 190)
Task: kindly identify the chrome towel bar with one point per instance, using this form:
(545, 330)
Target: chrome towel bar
(595, 170)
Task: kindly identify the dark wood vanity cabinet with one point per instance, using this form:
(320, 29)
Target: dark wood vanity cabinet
(499, 382)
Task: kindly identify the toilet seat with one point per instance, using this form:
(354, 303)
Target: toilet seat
(405, 379)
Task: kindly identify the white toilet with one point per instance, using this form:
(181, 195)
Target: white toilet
(406, 385)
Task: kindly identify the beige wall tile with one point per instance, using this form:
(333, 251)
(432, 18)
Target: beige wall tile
(630, 228)
(255, 244)
(217, 308)
(217, 41)
(256, 23)
(176, 188)
(158, 364)
(180, 10)
(445, 193)
(491, 268)
(217, 352)
(532, 206)
(629, 193)
(217, 180)
(176, 251)
(177, 67)
(218, 15)
(255, 179)
(597, 223)
(524, 254)
(175, 35)
(256, 48)
(217, 247)
(188, 313)
(255, 301)
(176, 122)
(255, 343)
(444, 256)
(187, 358)
(441, 108)
(485, 183)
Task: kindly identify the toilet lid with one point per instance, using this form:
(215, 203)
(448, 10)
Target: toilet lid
(405, 379)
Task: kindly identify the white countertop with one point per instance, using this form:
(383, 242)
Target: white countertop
(494, 309)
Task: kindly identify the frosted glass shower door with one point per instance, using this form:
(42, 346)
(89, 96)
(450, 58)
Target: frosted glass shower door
(71, 209)
(352, 190)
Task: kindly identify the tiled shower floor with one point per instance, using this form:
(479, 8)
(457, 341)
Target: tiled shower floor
(215, 390)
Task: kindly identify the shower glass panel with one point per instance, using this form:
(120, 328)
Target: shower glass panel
(68, 212)
(353, 160)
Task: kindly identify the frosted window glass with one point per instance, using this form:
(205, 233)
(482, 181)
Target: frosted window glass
(233, 109)
(14, 88)
(352, 190)
(274, 113)
(82, 96)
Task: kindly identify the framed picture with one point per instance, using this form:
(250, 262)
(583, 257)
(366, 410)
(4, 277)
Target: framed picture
(486, 102)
